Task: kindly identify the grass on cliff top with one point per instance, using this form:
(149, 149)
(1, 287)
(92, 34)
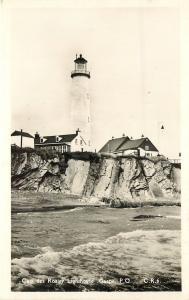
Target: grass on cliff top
(50, 154)
(85, 156)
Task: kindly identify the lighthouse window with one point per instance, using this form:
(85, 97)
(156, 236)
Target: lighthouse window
(80, 66)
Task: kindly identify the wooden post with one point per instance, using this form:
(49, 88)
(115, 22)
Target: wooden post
(21, 138)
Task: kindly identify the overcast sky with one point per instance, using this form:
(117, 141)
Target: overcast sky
(133, 57)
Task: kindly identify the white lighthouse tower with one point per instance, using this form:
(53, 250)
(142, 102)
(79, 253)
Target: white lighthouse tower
(80, 100)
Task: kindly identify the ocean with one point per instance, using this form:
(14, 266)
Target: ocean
(57, 246)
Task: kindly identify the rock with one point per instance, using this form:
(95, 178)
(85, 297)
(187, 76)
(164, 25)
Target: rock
(131, 182)
(146, 217)
(104, 185)
(148, 167)
(50, 184)
(23, 162)
(75, 176)
(155, 189)
(117, 179)
(92, 178)
(176, 179)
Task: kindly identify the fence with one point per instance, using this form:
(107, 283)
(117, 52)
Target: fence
(175, 161)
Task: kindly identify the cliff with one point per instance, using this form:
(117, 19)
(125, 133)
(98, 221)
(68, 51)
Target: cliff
(109, 178)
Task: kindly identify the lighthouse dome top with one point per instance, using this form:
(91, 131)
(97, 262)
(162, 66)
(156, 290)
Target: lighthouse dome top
(80, 60)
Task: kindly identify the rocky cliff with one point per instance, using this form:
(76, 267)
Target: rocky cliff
(100, 176)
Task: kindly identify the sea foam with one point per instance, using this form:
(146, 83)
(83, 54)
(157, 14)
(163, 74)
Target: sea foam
(132, 254)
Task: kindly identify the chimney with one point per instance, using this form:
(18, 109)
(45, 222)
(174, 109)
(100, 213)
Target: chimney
(112, 137)
(37, 135)
(123, 135)
(77, 131)
(36, 138)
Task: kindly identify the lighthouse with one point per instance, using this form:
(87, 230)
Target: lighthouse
(80, 100)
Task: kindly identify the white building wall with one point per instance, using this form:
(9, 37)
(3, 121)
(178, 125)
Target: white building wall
(78, 144)
(129, 152)
(142, 152)
(148, 153)
(26, 142)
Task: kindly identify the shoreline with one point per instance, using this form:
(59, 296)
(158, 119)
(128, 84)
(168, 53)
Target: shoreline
(53, 208)
(28, 201)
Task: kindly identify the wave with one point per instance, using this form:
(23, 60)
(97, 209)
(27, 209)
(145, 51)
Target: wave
(73, 209)
(132, 254)
(46, 249)
(26, 210)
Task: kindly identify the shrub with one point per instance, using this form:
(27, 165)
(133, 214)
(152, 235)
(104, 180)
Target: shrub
(17, 149)
(47, 153)
(86, 156)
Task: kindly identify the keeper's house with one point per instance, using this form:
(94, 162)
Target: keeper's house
(127, 146)
(61, 143)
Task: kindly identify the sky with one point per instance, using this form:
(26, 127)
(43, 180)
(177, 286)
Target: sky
(133, 57)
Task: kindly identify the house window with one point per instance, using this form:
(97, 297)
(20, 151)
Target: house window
(81, 142)
(146, 147)
(41, 140)
(76, 141)
(57, 139)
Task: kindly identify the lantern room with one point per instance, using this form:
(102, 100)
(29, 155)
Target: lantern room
(80, 67)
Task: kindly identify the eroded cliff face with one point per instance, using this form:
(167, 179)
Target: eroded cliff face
(127, 178)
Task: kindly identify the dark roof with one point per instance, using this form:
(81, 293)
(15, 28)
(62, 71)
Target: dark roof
(113, 145)
(134, 144)
(124, 143)
(80, 60)
(21, 133)
(65, 138)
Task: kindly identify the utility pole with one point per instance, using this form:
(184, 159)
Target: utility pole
(160, 137)
(21, 138)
